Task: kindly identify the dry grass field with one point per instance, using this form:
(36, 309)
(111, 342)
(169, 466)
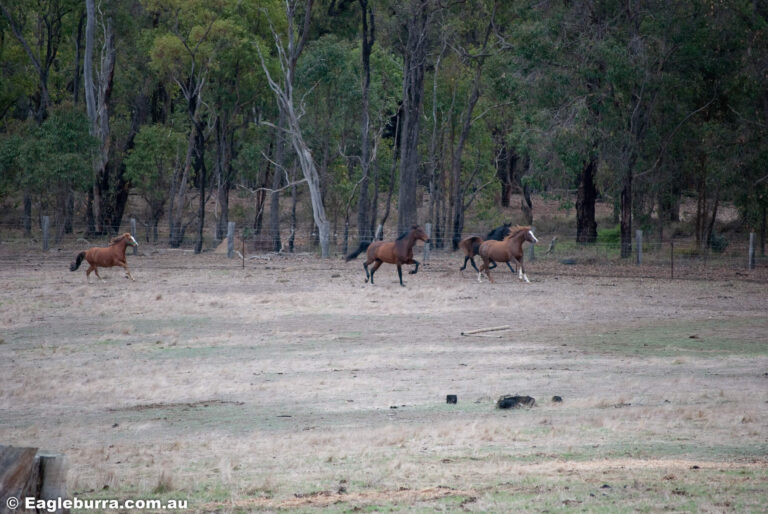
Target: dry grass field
(291, 384)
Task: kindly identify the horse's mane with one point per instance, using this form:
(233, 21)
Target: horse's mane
(513, 231)
(405, 234)
(117, 239)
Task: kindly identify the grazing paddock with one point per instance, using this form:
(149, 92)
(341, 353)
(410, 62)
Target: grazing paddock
(293, 384)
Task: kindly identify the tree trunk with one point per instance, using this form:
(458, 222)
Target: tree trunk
(626, 216)
(201, 173)
(414, 62)
(97, 96)
(586, 226)
(363, 209)
(277, 182)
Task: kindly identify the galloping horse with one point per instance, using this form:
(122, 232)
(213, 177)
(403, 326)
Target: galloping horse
(113, 255)
(393, 252)
(504, 251)
(470, 246)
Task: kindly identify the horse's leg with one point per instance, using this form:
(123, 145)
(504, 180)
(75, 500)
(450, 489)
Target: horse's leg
(400, 274)
(127, 271)
(509, 265)
(493, 264)
(472, 260)
(413, 271)
(367, 275)
(466, 258)
(521, 270)
(374, 268)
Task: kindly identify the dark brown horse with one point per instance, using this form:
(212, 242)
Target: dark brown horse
(393, 252)
(112, 255)
(470, 245)
(504, 251)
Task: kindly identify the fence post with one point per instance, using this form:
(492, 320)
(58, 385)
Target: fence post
(639, 244)
(378, 232)
(671, 260)
(531, 255)
(230, 239)
(53, 477)
(133, 233)
(46, 224)
(428, 228)
(751, 250)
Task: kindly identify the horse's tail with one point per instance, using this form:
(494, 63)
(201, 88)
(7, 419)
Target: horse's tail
(360, 249)
(76, 263)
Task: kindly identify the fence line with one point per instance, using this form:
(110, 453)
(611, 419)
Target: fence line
(676, 255)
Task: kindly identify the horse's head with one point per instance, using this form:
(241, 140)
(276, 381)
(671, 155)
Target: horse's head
(129, 239)
(419, 234)
(530, 237)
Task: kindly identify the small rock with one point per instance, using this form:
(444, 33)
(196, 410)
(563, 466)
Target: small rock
(557, 399)
(451, 398)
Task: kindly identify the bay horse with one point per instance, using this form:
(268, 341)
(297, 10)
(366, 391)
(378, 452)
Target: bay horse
(470, 245)
(392, 252)
(112, 255)
(504, 251)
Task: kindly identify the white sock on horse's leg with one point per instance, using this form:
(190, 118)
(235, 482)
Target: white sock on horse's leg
(526, 278)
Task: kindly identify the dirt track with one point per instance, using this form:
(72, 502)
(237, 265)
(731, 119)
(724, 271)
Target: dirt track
(291, 382)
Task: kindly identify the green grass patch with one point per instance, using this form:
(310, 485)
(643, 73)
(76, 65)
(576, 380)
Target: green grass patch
(706, 338)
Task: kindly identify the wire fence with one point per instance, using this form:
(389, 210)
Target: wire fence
(557, 254)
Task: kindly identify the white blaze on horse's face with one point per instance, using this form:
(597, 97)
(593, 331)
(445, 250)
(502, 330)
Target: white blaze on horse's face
(133, 242)
(534, 237)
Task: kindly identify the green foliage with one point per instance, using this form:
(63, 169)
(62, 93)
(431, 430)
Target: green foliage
(159, 151)
(610, 237)
(57, 152)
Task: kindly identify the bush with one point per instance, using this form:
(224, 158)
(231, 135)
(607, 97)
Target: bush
(609, 236)
(718, 243)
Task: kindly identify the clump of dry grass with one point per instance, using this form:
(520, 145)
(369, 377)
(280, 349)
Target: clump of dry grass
(164, 483)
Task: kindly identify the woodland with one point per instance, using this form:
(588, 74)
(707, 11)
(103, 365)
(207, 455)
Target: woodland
(360, 113)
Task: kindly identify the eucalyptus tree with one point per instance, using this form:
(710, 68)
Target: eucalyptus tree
(415, 18)
(283, 88)
(157, 157)
(98, 85)
(40, 29)
(185, 49)
(55, 158)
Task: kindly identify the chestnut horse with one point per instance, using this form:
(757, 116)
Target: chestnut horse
(113, 255)
(393, 252)
(504, 251)
(470, 245)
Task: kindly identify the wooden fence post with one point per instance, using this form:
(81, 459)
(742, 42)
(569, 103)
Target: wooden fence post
(639, 244)
(53, 476)
(428, 228)
(751, 250)
(133, 233)
(230, 239)
(46, 224)
(671, 260)
(379, 228)
(26, 473)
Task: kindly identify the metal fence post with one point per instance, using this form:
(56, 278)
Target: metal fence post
(531, 255)
(751, 250)
(133, 233)
(428, 227)
(639, 244)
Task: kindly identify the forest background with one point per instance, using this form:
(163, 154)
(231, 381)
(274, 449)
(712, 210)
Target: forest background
(339, 116)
